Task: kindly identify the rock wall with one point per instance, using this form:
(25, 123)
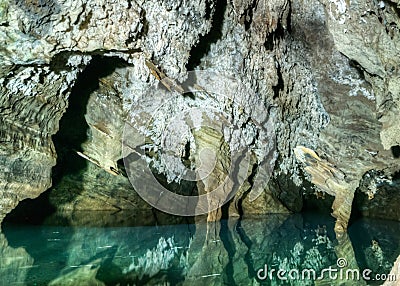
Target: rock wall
(323, 73)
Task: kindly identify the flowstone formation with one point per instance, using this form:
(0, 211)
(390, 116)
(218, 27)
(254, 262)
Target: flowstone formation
(325, 75)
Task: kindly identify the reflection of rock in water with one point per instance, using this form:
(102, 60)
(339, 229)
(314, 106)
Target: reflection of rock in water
(85, 276)
(394, 274)
(207, 256)
(374, 257)
(207, 253)
(231, 253)
(58, 250)
(292, 244)
(14, 263)
(140, 255)
(167, 254)
(377, 244)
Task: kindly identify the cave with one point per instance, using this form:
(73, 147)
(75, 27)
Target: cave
(198, 142)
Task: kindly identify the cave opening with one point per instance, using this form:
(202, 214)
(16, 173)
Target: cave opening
(73, 132)
(73, 128)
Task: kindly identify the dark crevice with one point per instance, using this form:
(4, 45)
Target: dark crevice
(289, 18)
(236, 186)
(78, 18)
(275, 36)
(394, 7)
(313, 200)
(358, 67)
(185, 159)
(251, 182)
(204, 43)
(247, 257)
(370, 12)
(121, 168)
(395, 151)
(280, 86)
(225, 234)
(85, 23)
(248, 17)
(356, 213)
(391, 28)
(209, 9)
(184, 187)
(376, 206)
(318, 203)
(227, 240)
(396, 176)
(31, 211)
(286, 191)
(353, 63)
(41, 77)
(143, 33)
(73, 131)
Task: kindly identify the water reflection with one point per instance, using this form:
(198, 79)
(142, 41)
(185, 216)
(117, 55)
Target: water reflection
(233, 252)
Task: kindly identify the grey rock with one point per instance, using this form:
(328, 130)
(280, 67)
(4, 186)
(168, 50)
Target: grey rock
(324, 75)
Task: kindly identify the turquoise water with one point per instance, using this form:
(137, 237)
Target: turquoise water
(231, 252)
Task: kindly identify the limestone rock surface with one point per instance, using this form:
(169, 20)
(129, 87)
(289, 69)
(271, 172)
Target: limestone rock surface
(322, 74)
